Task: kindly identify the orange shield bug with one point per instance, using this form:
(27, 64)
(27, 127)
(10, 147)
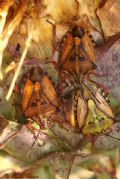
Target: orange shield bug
(77, 51)
(76, 61)
(39, 97)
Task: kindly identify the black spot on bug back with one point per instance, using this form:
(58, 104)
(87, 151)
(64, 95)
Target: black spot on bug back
(94, 65)
(81, 58)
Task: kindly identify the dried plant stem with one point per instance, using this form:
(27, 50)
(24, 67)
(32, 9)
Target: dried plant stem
(3, 20)
(1, 57)
(20, 64)
(2, 24)
(6, 33)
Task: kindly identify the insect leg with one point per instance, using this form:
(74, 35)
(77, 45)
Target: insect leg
(97, 84)
(30, 127)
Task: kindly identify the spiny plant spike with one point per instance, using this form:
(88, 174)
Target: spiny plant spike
(20, 63)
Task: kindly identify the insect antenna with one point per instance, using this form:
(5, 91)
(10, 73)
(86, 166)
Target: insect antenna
(30, 149)
(61, 140)
(36, 138)
(98, 85)
(91, 92)
(113, 137)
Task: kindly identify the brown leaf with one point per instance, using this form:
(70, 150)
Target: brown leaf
(109, 16)
(62, 165)
(108, 65)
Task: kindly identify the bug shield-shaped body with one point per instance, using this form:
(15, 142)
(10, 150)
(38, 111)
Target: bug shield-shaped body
(39, 98)
(87, 112)
(77, 56)
(77, 51)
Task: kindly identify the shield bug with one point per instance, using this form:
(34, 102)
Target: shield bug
(77, 55)
(76, 61)
(39, 99)
(87, 111)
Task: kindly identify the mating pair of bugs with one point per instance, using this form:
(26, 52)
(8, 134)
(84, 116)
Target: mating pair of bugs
(72, 99)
